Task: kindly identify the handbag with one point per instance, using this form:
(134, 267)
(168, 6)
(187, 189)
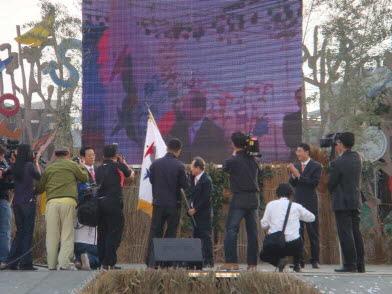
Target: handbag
(277, 240)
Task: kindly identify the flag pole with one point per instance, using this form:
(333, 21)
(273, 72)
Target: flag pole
(150, 115)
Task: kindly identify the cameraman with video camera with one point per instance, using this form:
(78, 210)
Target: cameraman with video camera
(344, 186)
(243, 170)
(5, 208)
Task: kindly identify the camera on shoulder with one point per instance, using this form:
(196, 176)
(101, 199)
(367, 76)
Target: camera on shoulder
(252, 147)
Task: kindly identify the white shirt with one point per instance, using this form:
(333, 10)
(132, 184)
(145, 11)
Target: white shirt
(85, 234)
(197, 178)
(91, 170)
(275, 213)
(305, 163)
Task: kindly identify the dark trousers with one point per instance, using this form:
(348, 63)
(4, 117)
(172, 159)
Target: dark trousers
(313, 233)
(232, 226)
(350, 237)
(272, 255)
(24, 220)
(110, 229)
(91, 251)
(161, 216)
(203, 231)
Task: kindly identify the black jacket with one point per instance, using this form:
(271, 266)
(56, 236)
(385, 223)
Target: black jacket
(108, 179)
(344, 181)
(200, 196)
(243, 171)
(305, 186)
(167, 176)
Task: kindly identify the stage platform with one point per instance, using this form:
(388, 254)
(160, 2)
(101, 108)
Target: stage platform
(377, 279)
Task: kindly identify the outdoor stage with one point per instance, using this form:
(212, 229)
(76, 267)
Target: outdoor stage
(377, 279)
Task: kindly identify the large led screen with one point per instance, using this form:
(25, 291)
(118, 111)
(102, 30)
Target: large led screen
(205, 68)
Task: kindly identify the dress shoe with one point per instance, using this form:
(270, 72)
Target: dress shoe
(346, 270)
(315, 265)
(297, 269)
(361, 268)
(229, 267)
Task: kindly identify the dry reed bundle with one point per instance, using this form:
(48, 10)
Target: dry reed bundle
(178, 282)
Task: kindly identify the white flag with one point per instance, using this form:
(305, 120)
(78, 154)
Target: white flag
(154, 148)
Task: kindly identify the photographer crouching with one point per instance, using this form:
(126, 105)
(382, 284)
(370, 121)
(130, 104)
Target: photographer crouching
(5, 209)
(243, 170)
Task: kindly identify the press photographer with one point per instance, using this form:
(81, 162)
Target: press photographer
(344, 185)
(26, 170)
(243, 170)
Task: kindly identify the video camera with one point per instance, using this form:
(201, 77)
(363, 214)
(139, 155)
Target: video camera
(330, 141)
(252, 147)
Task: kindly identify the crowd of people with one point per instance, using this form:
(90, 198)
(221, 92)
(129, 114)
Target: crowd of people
(70, 243)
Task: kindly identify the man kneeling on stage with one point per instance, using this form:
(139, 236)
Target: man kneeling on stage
(200, 203)
(284, 215)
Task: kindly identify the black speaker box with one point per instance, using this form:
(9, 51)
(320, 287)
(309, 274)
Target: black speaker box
(176, 252)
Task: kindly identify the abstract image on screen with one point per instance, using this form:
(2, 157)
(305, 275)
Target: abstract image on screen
(204, 68)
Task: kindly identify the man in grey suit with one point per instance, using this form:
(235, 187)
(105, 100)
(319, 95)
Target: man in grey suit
(344, 186)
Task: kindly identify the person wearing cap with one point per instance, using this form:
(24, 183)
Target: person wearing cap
(273, 220)
(59, 181)
(344, 186)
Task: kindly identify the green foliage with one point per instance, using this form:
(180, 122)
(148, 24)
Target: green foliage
(351, 44)
(220, 181)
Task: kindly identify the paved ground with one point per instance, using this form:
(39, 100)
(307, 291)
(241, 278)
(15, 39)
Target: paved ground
(378, 279)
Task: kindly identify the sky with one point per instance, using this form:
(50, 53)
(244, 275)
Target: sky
(19, 12)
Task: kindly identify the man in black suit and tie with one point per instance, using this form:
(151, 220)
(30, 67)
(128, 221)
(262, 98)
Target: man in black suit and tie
(344, 185)
(167, 177)
(200, 202)
(305, 176)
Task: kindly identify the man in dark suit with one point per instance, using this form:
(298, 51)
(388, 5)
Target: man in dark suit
(168, 177)
(344, 185)
(200, 202)
(305, 176)
(200, 135)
